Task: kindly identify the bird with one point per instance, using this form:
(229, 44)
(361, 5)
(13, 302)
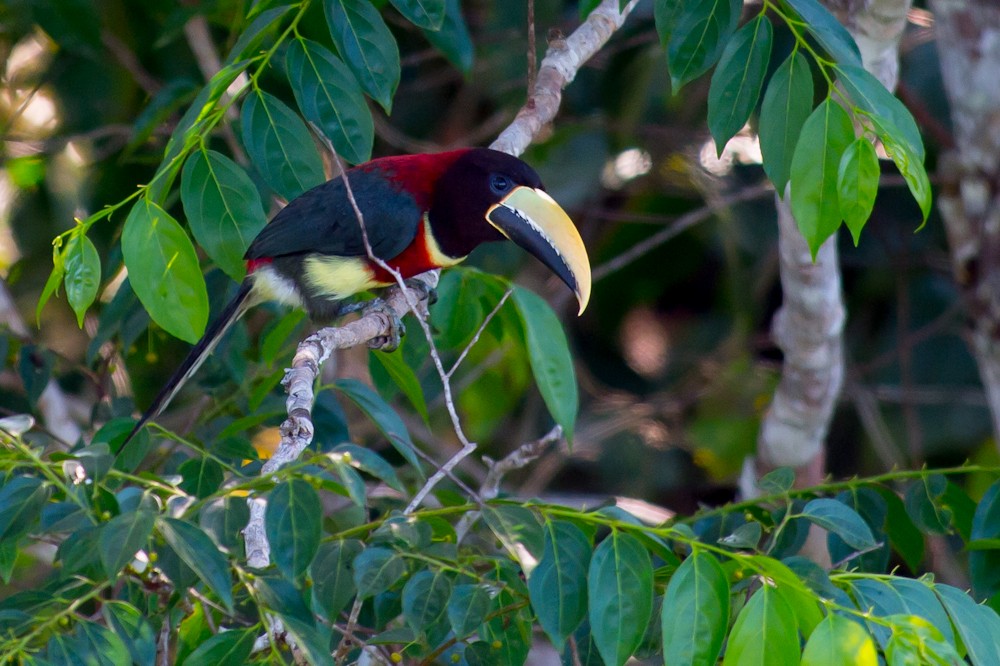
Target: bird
(420, 212)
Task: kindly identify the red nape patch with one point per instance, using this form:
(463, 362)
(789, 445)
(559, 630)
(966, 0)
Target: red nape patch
(417, 174)
(254, 264)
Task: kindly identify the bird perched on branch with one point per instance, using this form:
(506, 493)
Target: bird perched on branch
(420, 212)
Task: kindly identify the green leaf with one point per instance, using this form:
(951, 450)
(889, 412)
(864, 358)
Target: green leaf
(765, 632)
(382, 415)
(371, 463)
(163, 270)
(786, 106)
(197, 550)
(403, 377)
(916, 641)
(452, 39)
(873, 509)
(841, 520)
(620, 585)
(227, 648)
(701, 30)
(827, 30)
(923, 500)
(984, 564)
(508, 634)
(551, 361)
(857, 185)
(695, 612)
(977, 625)
(253, 36)
(280, 146)
(313, 642)
(904, 536)
(201, 476)
(838, 641)
(738, 79)
(519, 531)
(910, 166)
(292, 525)
(777, 481)
(427, 14)
(122, 537)
(132, 627)
(34, 366)
(468, 607)
(794, 590)
(224, 520)
(871, 96)
(82, 274)
(332, 573)
(21, 502)
(223, 209)
(331, 99)
(367, 46)
(425, 599)
(376, 570)
(90, 644)
(918, 599)
(558, 584)
(51, 284)
(825, 136)
(745, 536)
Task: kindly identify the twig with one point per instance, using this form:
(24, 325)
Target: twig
(479, 332)
(532, 46)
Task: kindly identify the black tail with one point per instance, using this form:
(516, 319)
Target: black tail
(232, 312)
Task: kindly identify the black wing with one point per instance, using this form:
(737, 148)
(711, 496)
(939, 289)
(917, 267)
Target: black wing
(323, 221)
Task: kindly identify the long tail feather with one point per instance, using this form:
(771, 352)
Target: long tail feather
(232, 312)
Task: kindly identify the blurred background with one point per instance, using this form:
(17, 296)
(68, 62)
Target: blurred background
(673, 356)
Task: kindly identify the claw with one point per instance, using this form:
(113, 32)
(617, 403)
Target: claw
(397, 330)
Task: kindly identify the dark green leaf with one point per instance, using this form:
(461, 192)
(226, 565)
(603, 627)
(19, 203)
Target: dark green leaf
(376, 570)
(21, 502)
(382, 415)
(227, 648)
(369, 462)
(918, 598)
(425, 599)
(292, 524)
(827, 30)
(403, 377)
(558, 584)
(8, 559)
(280, 146)
(223, 209)
(871, 96)
(367, 46)
(468, 607)
(764, 633)
(164, 272)
(283, 597)
(738, 79)
(508, 634)
(332, 573)
(745, 536)
(701, 29)
(815, 203)
(904, 536)
(790, 587)
(786, 106)
(923, 503)
(857, 185)
(73, 24)
(977, 625)
(313, 642)
(132, 627)
(51, 284)
(841, 520)
(984, 564)
(453, 39)
(201, 476)
(252, 37)
(695, 612)
(876, 596)
(34, 365)
(90, 644)
(331, 99)
(224, 520)
(197, 550)
(551, 361)
(873, 509)
(910, 166)
(620, 585)
(427, 14)
(123, 536)
(82, 276)
(838, 641)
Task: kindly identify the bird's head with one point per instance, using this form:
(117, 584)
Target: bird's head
(487, 195)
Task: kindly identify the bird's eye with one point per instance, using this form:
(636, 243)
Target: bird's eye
(500, 184)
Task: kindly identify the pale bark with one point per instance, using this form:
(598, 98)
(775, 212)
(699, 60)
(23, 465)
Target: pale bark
(968, 36)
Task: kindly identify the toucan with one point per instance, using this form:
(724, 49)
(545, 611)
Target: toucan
(420, 212)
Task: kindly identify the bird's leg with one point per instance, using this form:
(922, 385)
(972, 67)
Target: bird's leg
(423, 290)
(397, 330)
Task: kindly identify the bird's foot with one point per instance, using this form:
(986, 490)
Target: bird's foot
(423, 290)
(390, 341)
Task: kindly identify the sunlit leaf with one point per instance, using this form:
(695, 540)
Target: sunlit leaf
(620, 587)
(82, 274)
(695, 612)
(764, 633)
(838, 641)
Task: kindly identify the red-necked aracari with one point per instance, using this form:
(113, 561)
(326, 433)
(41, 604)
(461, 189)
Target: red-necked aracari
(421, 212)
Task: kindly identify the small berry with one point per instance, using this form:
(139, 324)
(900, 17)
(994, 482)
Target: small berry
(497, 645)
(396, 657)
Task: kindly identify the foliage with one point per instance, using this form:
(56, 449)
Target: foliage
(143, 552)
